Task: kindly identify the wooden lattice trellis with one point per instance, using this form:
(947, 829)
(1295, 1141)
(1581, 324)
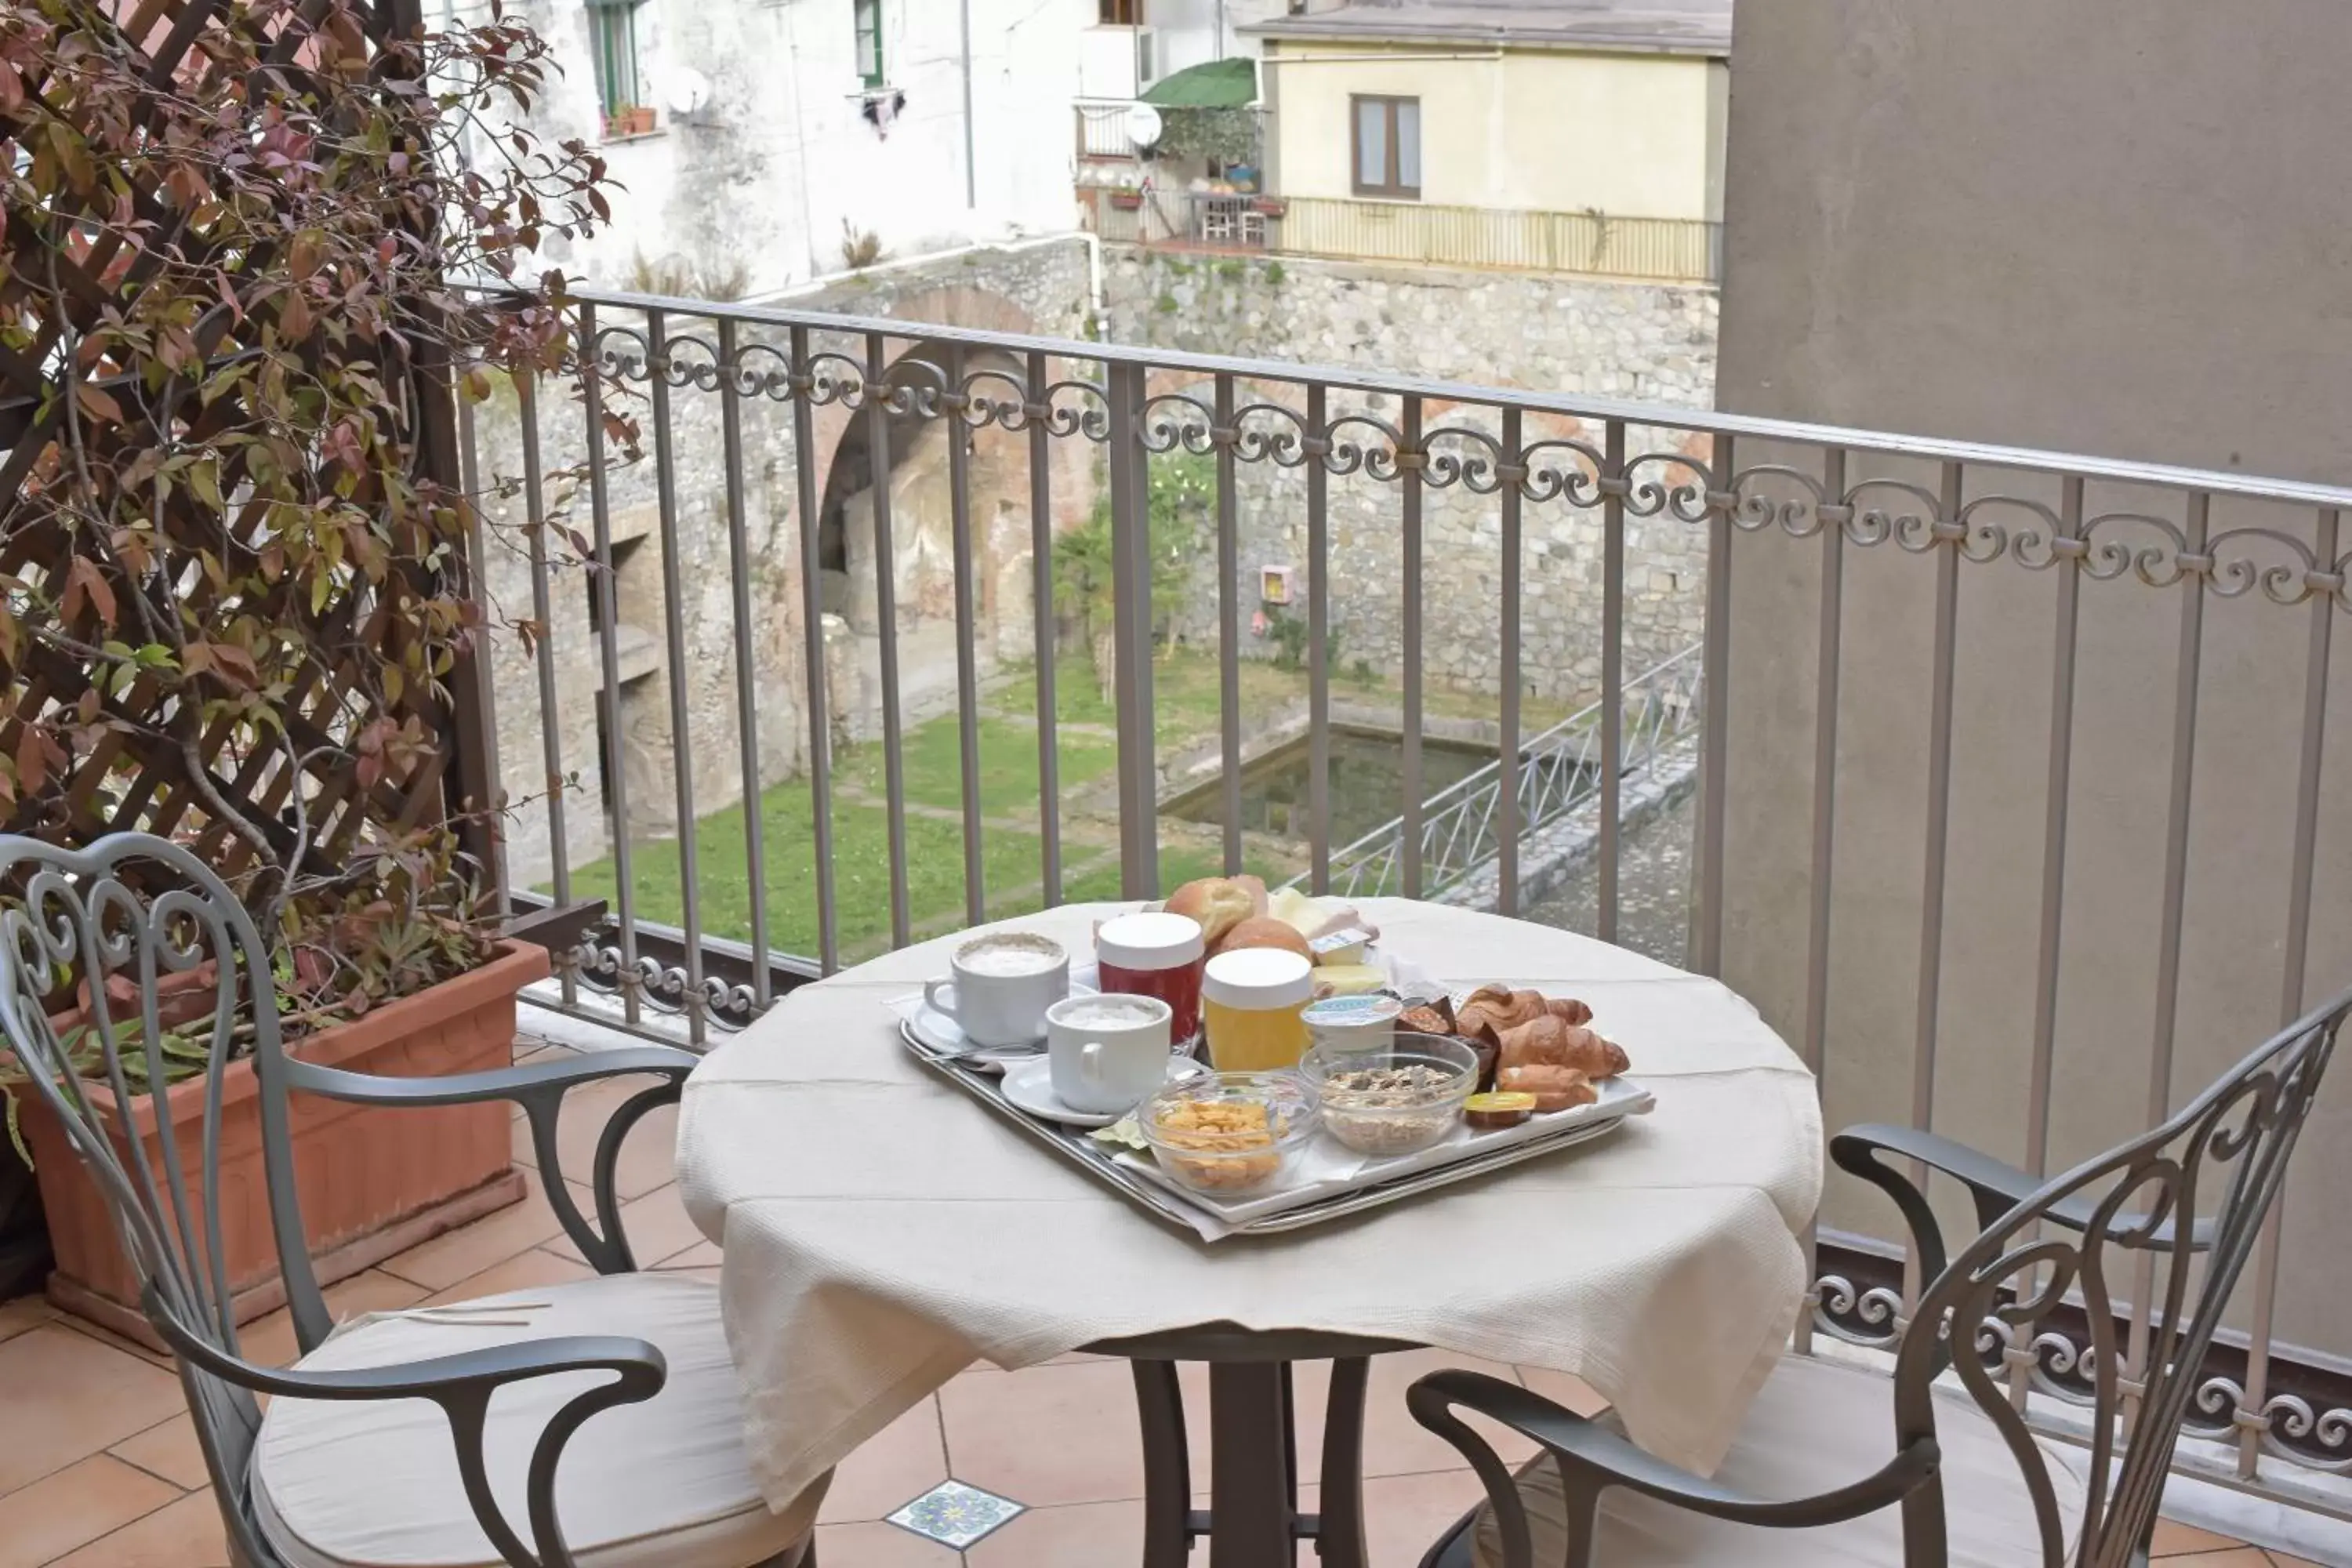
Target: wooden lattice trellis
(92, 746)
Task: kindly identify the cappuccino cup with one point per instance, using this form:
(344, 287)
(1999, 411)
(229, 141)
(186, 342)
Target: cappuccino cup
(1107, 1053)
(1001, 987)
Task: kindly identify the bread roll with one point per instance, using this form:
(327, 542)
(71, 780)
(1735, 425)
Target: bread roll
(1263, 931)
(1555, 1087)
(1218, 904)
(1504, 1009)
(1547, 1041)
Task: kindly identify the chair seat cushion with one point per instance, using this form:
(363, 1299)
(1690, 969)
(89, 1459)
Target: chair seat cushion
(1816, 1426)
(375, 1483)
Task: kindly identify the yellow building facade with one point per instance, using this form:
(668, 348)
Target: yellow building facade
(1525, 129)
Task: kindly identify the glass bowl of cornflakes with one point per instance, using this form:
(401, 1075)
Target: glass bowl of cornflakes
(1228, 1133)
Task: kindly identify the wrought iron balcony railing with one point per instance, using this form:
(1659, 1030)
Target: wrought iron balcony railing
(2010, 765)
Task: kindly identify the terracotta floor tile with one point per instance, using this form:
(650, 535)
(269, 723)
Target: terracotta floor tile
(1572, 1392)
(701, 1255)
(1085, 1535)
(890, 1470)
(2242, 1557)
(656, 1225)
(537, 1266)
(879, 1546)
(648, 1156)
(2283, 1560)
(1404, 1515)
(186, 1534)
(74, 1506)
(2174, 1539)
(114, 1340)
(79, 1395)
(270, 1342)
(22, 1313)
(1046, 1436)
(443, 1261)
(1394, 1443)
(170, 1450)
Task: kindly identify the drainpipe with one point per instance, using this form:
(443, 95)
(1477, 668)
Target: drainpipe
(1095, 312)
(971, 171)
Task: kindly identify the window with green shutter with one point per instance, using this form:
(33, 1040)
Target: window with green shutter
(868, 17)
(613, 48)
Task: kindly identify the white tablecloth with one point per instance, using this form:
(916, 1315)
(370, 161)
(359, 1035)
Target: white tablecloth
(882, 1233)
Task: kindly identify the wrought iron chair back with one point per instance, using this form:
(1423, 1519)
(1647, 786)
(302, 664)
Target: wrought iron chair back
(143, 907)
(2133, 1209)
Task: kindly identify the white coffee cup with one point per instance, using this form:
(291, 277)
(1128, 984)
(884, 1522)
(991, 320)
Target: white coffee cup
(1107, 1053)
(1002, 987)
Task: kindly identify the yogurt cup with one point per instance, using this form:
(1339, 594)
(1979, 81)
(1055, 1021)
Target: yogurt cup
(1362, 1023)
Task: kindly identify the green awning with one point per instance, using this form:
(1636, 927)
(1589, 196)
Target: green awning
(1219, 84)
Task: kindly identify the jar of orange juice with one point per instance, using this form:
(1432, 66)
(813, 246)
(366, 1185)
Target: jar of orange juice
(1250, 1004)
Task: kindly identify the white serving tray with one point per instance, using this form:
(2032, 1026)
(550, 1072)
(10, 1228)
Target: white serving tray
(1325, 1180)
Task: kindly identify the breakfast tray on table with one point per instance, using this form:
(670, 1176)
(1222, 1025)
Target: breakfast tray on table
(1326, 1181)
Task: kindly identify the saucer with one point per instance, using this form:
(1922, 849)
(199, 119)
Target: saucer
(936, 1034)
(1030, 1086)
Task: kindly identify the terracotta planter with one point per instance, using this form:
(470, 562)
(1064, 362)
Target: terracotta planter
(372, 1181)
(1127, 200)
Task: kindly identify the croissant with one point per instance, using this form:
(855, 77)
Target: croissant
(1547, 1041)
(1568, 1009)
(1503, 1008)
(1555, 1087)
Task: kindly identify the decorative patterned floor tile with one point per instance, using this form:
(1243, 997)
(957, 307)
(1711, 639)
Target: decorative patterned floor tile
(954, 1514)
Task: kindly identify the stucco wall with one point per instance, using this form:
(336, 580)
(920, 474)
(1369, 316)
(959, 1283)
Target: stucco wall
(1534, 130)
(2115, 230)
(764, 175)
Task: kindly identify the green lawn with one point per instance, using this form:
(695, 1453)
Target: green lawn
(1186, 701)
(1012, 865)
(933, 756)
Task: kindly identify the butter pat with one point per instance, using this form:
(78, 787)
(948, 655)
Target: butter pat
(1347, 979)
(1350, 946)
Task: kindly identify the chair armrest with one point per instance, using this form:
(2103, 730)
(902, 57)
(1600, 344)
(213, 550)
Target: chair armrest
(462, 1385)
(1996, 1186)
(1592, 1458)
(539, 1088)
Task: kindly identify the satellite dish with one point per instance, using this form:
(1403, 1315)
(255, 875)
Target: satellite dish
(686, 90)
(1143, 127)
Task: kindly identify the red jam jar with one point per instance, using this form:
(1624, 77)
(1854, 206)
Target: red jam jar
(1155, 955)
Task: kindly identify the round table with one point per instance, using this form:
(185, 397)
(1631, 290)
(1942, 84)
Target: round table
(881, 1232)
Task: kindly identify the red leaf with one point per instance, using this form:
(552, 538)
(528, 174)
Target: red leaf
(37, 751)
(84, 585)
(12, 89)
(227, 660)
(99, 404)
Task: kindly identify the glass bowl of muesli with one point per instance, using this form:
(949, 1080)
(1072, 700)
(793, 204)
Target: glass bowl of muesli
(1394, 1099)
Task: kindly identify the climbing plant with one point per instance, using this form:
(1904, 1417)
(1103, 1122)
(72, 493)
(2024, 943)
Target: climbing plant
(244, 246)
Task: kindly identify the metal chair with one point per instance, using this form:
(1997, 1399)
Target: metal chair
(1951, 1494)
(592, 1425)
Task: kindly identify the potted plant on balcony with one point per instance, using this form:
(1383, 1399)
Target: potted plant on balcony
(630, 119)
(241, 608)
(394, 979)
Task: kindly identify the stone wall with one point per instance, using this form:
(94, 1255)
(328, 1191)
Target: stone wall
(1544, 333)
(1034, 288)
